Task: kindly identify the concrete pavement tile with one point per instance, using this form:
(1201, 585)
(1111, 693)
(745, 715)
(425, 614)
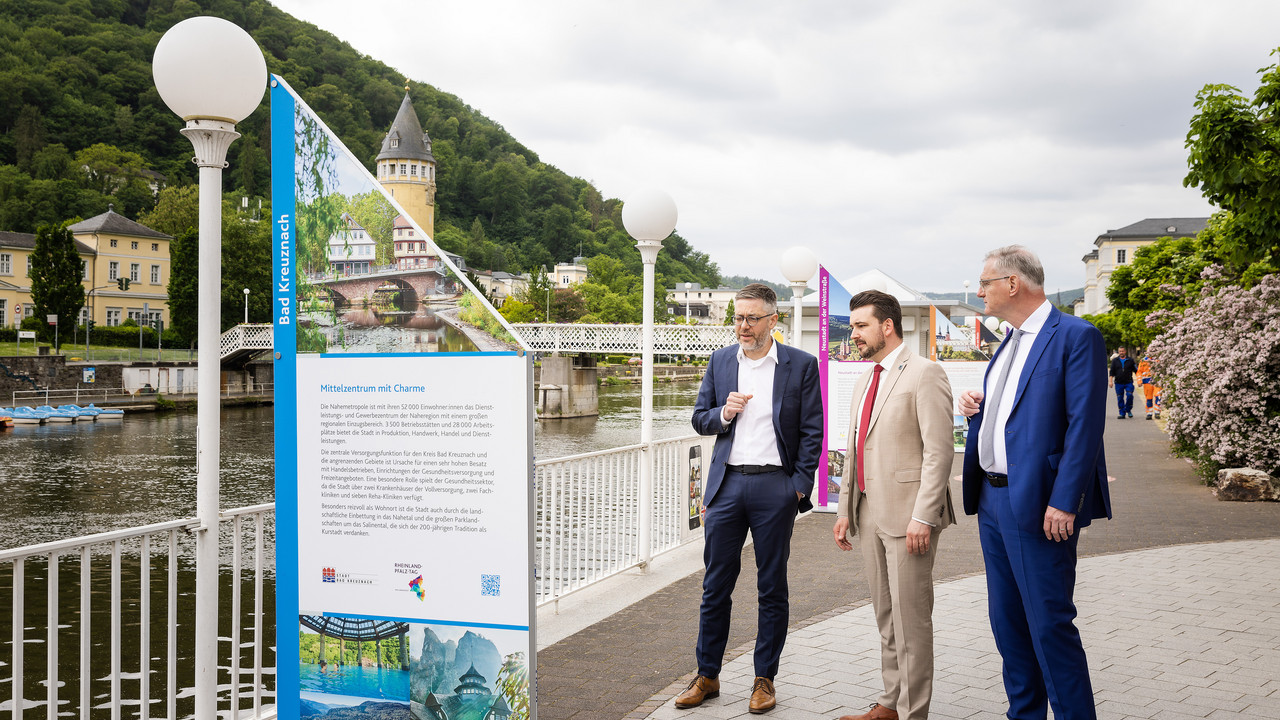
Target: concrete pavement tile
(1114, 708)
(1150, 593)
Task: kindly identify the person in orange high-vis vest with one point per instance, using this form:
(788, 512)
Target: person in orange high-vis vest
(1149, 388)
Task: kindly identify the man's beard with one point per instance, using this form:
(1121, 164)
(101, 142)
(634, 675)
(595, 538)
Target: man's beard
(869, 349)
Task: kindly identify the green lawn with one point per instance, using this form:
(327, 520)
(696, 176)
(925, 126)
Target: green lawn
(75, 353)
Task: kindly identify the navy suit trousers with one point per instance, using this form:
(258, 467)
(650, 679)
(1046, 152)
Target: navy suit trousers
(765, 505)
(1031, 584)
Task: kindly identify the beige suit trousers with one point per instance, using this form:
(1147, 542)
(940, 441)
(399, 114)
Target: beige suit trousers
(902, 598)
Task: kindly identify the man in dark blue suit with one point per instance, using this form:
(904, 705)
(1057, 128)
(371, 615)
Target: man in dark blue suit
(1034, 473)
(763, 401)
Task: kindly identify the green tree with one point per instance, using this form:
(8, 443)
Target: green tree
(177, 210)
(377, 216)
(57, 275)
(1234, 158)
(183, 289)
(515, 311)
(513, 683)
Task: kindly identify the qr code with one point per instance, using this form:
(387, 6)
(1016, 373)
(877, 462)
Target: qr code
(491, 585)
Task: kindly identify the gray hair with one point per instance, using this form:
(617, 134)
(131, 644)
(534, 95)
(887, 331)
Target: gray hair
(760, 291)
(1018, 260)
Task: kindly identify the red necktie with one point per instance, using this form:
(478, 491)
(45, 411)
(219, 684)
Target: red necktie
(865, 420)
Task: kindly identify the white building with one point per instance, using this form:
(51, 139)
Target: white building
(701, 305)
(1117, 247)
(351, 250)
(567, 274)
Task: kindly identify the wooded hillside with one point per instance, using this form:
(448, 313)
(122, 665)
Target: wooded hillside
(81, 126)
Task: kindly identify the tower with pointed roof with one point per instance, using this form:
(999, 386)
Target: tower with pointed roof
(407, 169)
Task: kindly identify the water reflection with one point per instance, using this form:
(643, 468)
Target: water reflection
(372, 329)
(63, 481)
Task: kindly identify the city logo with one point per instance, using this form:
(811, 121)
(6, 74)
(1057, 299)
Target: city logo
(416, 586)
(329, 575)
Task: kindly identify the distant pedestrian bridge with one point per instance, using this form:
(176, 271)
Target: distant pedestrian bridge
(242, 341)
(624, 339)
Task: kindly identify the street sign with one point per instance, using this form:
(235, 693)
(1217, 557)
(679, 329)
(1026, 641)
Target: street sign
(53, 319)
(26, 334)
(17, 309)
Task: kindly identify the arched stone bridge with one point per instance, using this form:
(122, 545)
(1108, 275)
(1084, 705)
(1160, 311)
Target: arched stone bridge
(419, 284)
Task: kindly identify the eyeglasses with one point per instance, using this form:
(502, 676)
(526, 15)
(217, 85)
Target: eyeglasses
(984, 283)
(749, 320)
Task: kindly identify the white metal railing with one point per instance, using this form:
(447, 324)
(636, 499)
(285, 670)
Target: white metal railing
(134, 547)
(255, 336)
(63, 396)
(667, 339)
(587, 517)
(586, 529)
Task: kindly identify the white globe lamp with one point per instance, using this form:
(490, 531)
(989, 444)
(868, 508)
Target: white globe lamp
(211, 74)
(797, 264)
(650, 217)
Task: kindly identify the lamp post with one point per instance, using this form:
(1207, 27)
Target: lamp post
(687, 286)
(211, 74)
(649, 217)
(547, 277)
(966, 292)
(246, 306)
(798, 265)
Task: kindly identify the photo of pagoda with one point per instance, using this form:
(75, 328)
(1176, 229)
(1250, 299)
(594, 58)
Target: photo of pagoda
(460, 674)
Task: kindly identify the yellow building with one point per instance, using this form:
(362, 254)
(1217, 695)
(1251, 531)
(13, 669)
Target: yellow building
(407, 169)
(111, 247)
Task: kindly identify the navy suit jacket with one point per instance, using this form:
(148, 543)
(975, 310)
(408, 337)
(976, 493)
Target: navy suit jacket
(1053, 438)
(797, 416)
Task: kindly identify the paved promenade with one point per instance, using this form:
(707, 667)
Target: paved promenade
(1179, 600)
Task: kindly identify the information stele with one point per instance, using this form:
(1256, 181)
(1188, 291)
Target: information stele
(403, 464)
(841, 366)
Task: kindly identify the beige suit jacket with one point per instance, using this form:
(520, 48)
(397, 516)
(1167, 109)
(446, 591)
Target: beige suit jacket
(909, 449)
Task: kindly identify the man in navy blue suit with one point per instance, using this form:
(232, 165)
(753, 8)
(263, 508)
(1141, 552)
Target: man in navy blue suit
(1034, 473)
(763, 401)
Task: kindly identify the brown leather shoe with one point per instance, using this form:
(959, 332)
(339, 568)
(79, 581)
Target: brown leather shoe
(762, 699)
(877, 712)
(700, 689)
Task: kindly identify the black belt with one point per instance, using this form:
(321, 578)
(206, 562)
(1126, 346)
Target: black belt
(754, 469)
(997, 479)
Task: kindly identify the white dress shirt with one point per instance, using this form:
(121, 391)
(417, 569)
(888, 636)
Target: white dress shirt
(1030, 329)
(754, 440)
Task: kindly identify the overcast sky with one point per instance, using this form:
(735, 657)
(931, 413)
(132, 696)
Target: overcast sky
(908, 136)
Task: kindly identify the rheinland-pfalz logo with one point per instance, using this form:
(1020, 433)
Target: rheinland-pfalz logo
(329, 575)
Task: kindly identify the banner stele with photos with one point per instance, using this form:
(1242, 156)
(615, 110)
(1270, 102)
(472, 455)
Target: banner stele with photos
(404, 463)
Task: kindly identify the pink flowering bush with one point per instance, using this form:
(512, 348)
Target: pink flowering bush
(1219, 363)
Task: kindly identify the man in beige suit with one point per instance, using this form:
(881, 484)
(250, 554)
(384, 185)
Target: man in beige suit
(896, 496)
